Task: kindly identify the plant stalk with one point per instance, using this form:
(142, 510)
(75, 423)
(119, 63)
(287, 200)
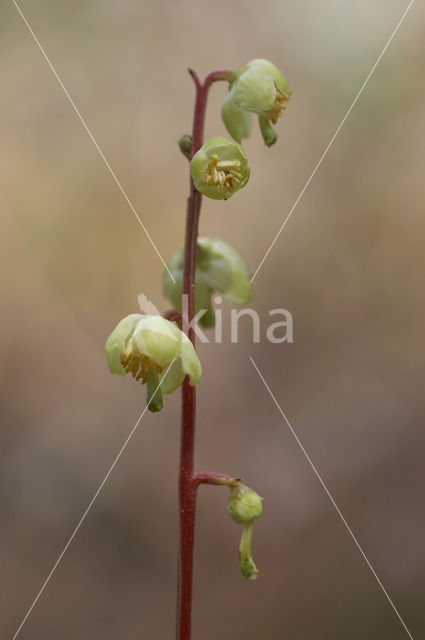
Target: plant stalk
(188, 482)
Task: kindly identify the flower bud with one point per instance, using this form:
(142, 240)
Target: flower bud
(219, 168)
(154, 351)
(220, 268)
(260, 88)
(244, 504)
(185, 144)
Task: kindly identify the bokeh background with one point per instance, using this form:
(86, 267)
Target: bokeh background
(349, 266)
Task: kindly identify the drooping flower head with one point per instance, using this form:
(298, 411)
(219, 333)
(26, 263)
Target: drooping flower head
(244, 505)
(219, 267)
(219, 168)
(154, 351)
(259, 87)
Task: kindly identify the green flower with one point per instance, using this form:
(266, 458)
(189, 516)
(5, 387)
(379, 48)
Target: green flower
(244, 505)
(219, 267)
(146, 346)
(219, 168)
(260, 88)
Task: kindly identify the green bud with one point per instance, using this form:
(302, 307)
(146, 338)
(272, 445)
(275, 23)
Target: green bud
(220, 268)
(185, 144)
(244, 504)
(146, 346)
(259, 87)
(219, 168)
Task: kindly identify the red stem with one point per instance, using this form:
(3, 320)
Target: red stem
(187, 480)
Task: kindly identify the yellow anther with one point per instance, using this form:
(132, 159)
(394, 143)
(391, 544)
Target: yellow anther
(278, 107)
(222, 173)
(138, 364)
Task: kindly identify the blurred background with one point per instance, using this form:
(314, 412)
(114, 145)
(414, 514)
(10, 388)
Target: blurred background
(349, 266)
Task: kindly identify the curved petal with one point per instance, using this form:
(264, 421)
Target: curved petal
(157, 338)
(227, 271)
(172, 377)
(269, 68)
(219, 150)
(190, 363)
(117, 342)
(254, 91)
(236, 121)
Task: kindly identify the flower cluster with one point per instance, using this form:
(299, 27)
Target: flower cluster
(152, 348)
(220, 168)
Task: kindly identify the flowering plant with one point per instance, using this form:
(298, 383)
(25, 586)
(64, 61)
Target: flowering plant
(160, 350)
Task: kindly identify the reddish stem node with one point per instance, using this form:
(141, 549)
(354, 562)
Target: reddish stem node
(173, 316)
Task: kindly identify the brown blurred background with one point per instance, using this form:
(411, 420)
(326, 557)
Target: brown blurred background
(349, 266)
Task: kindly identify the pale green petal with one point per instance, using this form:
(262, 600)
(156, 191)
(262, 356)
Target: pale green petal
(187, 364)
(157, 338)
(270, 69)
(172, 377)
(117, 342)
(226, 151)
(237, 121)
(254, 91)
(190, 361)
(226, 270)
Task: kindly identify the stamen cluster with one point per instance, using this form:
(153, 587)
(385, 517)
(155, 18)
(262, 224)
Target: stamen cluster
(222, 173)
(279, 106)
(138, 364)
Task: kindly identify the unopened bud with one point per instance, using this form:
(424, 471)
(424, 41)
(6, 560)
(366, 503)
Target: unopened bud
(244, 504)
(185, 144)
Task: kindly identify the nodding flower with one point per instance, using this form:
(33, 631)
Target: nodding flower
(154, 351)
(259, 87)
(219, 268)
(244, 505)
(219, 168)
